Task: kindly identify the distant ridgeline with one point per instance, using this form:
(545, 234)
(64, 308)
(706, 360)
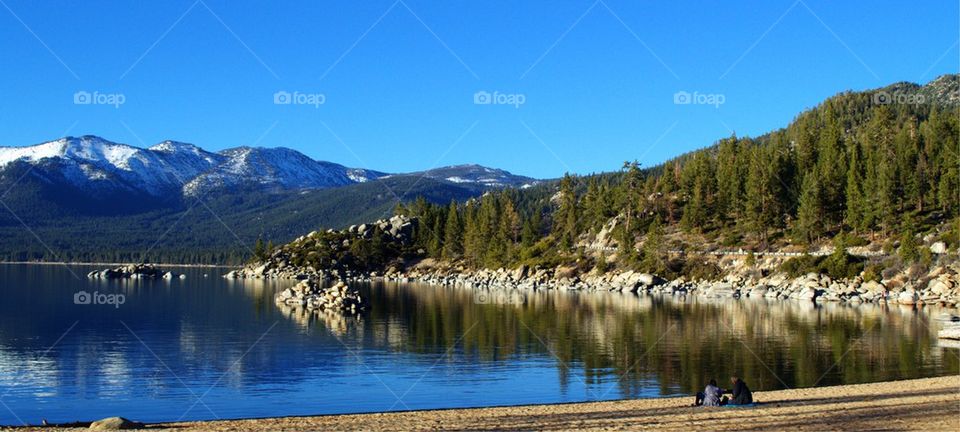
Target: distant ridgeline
(89, 199)
(877, 169)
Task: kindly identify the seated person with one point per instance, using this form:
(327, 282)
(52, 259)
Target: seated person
(741, 393)
(710, 396)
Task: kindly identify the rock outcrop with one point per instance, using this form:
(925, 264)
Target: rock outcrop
(331, 251)
(309, 295)
(134, 271)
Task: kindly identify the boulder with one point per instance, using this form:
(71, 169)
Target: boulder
(938, 286)
(872, 287)
(938, 248)
(646, 279)
(908, 297)
(520, 272)
(115, 423)
(758, 291)
(807, 293)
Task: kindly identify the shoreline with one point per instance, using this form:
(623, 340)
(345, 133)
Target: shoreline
(914, 404)
(940, 287)
(58, 263)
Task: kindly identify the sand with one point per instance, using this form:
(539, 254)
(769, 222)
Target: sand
(920, 404)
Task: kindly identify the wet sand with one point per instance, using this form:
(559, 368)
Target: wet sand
(920, 404)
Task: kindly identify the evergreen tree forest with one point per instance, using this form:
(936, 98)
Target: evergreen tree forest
(850, 167)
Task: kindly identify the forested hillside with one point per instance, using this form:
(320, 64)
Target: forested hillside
(214, 229)
(862, 168)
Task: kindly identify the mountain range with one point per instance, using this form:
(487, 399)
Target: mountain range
(174, 169)
(87, 195)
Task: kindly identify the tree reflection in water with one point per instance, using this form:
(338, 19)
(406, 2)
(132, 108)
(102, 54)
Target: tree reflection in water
(631, 342)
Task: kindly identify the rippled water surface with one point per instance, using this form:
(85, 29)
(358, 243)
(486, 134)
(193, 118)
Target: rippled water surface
(206, 348)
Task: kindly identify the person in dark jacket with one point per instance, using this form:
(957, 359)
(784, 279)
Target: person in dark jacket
(741, 393)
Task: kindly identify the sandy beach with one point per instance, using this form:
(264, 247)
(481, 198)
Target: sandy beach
(920, 404)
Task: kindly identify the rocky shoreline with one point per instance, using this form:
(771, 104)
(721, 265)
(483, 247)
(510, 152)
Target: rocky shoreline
(940, 286)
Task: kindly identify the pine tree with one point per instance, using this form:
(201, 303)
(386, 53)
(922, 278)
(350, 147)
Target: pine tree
(909, 250)
(699, 189)
(436, 237)
(260, 249)
(594, 213)
(881, 174)
(453, 234)
(566, 216)
(631, 196)
(909, 172)
(761, 205)
(856, 205)
(810, 212)
(654, 259)
(730, 174)
(831, 167)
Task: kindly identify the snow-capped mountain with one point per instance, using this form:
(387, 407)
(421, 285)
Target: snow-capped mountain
(174, 169)
(477, 174)
(274, 169)
(94, 163)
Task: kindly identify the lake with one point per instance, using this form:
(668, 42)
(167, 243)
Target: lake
(209, 348)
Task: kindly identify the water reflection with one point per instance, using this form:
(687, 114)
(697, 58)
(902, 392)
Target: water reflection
(677, 342)
(172, 341)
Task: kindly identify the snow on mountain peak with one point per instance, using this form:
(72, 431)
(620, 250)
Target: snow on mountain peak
(175, 168)
(272, 168)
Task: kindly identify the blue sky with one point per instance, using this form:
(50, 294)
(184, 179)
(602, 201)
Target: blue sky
(398, 78)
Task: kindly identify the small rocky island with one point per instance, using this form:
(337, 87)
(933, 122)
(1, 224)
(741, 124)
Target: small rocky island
(134, 271)
(308, 294)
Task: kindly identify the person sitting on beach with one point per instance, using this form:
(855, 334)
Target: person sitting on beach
(741, 393)
(710, 396)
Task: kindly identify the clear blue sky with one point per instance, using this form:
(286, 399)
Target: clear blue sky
(399, 77)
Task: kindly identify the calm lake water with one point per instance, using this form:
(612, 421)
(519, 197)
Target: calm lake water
(207, 348)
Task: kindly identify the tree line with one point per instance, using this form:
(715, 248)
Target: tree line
(848, 167)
